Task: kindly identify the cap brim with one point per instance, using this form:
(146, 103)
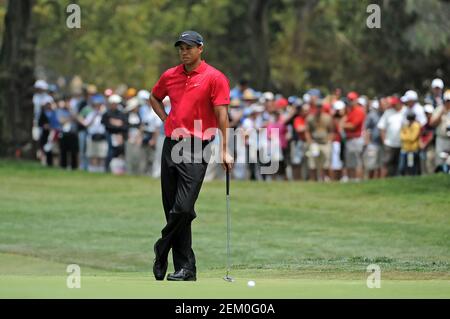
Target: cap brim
(191, 43)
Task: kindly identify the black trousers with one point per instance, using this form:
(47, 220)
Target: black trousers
(69, 146)
(180, 185)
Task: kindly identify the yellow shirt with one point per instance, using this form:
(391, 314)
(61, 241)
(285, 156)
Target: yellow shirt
(410, 137)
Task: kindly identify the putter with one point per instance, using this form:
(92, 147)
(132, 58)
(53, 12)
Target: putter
(227, 276)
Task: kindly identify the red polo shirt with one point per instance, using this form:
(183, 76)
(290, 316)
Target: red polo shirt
(356, 116)
(193, 96)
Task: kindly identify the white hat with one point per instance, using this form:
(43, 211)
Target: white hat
(437, 83)
(338, 105)
(410, 95)
(41, 84)
(428, 108)
(375, 104)
(143, 95)
(132, 104)
(268, 96)
(256, 108)
(116, 99)
(362, 101)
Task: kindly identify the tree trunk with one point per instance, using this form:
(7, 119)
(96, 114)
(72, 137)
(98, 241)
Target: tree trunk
(258, 24)
(16, 81)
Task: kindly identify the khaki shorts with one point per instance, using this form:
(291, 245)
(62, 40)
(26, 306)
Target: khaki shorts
(372, 157)
(98, 149)
(319, 156)
(353, 152)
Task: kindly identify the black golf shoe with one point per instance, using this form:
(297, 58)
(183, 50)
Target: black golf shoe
(159, 269)
(182, 275)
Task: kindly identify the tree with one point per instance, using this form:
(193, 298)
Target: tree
(16, 80)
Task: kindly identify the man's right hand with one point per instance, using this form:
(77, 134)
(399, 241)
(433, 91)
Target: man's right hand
(227, 161)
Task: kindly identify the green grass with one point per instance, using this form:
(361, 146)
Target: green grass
(295, 239)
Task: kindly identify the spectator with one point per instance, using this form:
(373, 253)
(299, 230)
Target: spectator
(115, 122)
(251, 126)
(68, 143)
(373, 145)
(390, 126)
(337, 159)
(96, 144)
(235, 113)
(84, 107)
(427, 141)
(435, 98)
(40, 97)
(298, 145)
(411, 101)
(152, 125)
(133, 146)
(441, 121)
(160, 142)
(409, 154)
(319, 136)
(352, 124)
(46, 123)
(238, 90)
(277, 126)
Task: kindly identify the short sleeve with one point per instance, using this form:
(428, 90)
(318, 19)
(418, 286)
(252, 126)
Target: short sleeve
(159, 91)
(220, 91)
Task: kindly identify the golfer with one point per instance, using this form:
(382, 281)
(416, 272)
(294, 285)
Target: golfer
(198, 92)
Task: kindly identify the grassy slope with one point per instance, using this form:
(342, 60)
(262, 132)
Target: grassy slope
(110, 223)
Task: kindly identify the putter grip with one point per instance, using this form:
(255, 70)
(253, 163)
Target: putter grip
(228, 181)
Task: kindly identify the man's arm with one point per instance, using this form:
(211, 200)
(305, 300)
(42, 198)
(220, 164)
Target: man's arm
(158, 107)
(221, 113)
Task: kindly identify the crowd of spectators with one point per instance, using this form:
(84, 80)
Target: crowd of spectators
(334, 137)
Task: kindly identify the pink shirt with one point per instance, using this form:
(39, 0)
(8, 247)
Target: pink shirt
(282, 132)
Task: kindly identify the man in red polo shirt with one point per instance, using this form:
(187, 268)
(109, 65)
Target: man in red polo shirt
(352, 124)
(199, 95)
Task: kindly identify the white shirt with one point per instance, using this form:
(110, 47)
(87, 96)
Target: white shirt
(391, 122)
(150, 119)
(420, 113)
(96, 126)
(40, 99)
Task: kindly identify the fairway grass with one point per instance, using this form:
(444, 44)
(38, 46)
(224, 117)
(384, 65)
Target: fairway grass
(296, 240)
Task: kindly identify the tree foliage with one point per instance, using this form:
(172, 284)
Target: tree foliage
(286, 45)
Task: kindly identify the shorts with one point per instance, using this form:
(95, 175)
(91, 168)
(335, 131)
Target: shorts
(336, 162)
(297, 152)
(319, 156)
(353, 152)
(442, 145)
(372, 157)
(98, 149)
(391, 155)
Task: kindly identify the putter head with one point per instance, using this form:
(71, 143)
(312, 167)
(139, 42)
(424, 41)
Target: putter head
(228, 278)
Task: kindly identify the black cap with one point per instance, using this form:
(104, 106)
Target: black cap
(190, 38)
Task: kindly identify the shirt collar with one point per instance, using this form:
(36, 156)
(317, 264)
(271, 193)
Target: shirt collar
(200, 69)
